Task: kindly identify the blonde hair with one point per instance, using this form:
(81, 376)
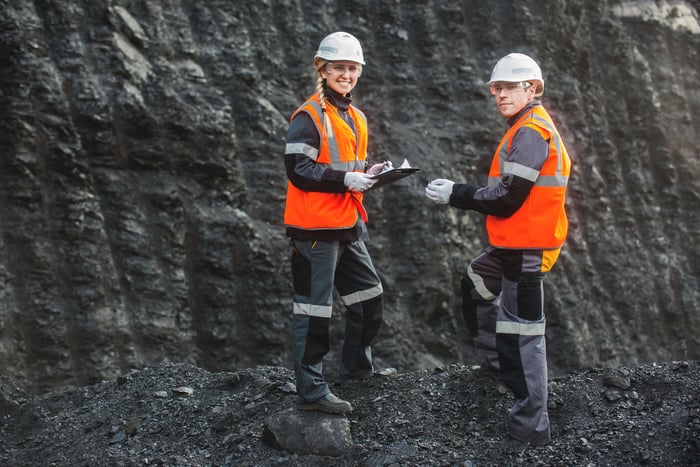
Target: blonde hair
(319, 63)
(320, 81)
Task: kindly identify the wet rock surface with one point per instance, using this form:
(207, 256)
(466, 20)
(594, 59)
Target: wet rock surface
(451, 415)
(142, 184)
(141, 192)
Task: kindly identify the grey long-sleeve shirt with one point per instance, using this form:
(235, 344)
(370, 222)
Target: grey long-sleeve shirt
(505, 198)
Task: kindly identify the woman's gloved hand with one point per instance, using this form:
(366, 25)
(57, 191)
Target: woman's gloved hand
(376, 169)
(358, 181)
(439, 190)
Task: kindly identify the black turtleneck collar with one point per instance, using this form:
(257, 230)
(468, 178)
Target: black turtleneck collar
(338, 100)
(529, 105)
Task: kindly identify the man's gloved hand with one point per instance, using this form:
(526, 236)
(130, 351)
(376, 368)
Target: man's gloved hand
(358, 181)
(439, 190)
(376, 169)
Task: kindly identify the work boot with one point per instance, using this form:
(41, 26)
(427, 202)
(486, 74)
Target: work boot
(329, 404)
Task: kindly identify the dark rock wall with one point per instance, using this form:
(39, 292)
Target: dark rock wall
(142, 184)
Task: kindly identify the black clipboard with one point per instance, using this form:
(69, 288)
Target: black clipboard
(392, 175)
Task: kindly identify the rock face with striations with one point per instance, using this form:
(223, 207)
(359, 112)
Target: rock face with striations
(142, 182)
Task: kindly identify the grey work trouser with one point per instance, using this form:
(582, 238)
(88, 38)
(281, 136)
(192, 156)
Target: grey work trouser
(503, 307)
(318, 267)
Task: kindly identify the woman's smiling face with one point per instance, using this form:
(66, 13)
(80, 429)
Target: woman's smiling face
(341, 76)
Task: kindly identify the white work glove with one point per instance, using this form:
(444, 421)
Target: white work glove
(439, 190)
(358, 181)
(376, 169)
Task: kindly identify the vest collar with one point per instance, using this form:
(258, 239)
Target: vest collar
(338, 100)
(530, 105)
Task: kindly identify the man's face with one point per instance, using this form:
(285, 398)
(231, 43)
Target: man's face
(512, 97)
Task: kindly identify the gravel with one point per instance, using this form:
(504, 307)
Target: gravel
(181, 415)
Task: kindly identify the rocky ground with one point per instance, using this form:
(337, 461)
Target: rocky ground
(180, 415)
(142, 182)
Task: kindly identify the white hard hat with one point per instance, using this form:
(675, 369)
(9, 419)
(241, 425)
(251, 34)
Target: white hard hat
(340, 46)
(516, 67)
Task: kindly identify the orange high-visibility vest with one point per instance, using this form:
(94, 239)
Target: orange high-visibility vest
(541, 221)
(340, 150)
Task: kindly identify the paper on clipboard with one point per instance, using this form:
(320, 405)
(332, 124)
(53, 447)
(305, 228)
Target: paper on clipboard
(392, 174)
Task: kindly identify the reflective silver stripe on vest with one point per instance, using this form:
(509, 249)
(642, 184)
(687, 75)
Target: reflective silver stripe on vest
(333, 151)
(552, 181)
(301, 148)
(362, 295)
(316, 107)
(521, 329)
(557, 180)
(321, 311)
(360, 114)
(557, 140)
(330, 136)
(357, 133)
(347, 166)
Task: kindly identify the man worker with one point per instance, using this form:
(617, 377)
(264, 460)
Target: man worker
(526, 223)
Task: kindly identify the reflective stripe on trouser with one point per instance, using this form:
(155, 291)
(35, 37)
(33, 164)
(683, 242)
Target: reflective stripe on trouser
(316, 268)
(503, 307)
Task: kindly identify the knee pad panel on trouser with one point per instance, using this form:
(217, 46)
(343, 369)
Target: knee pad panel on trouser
(468, 305)
(301, 274)
(317, 340)
(530, 296)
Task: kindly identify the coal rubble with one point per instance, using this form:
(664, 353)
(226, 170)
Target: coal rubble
(180, 415)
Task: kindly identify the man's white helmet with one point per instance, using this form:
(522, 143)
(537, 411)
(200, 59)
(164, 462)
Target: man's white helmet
(516, 67)
(340, 46)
